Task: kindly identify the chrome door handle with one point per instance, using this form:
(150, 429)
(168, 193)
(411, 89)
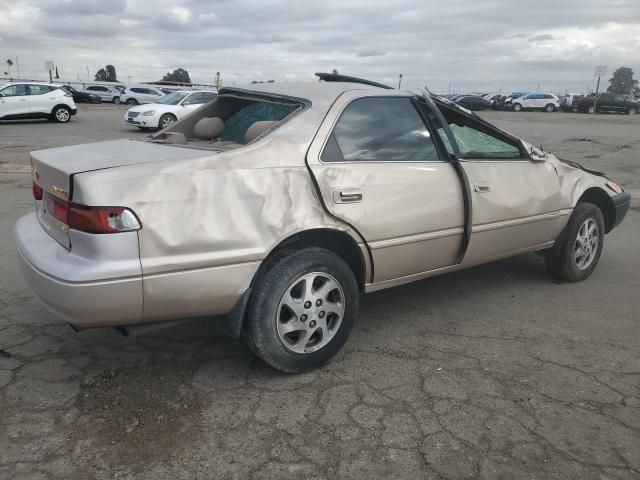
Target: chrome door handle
(481, 187)
(347, 195)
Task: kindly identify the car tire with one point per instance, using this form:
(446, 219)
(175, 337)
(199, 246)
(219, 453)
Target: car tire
(313, 289)
(549, 108)
(166, 120)
(61, 114)
(132, 101)
(592, 109)
(632, 111)
(116, 100)
(516, 107)
(577, 250)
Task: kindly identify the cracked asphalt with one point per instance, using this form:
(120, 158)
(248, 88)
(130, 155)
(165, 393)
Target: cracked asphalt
(495, 372)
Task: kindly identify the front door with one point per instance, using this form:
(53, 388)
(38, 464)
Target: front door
(379, 170)
(14, 101)
(515, 197)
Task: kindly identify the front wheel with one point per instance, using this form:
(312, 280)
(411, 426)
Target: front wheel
(61, 114)
(592, 109)
(116, 100)
(302, 310)
(517, 107)
(577, 251)
(132, 101)
(550, 108)
(166, 120)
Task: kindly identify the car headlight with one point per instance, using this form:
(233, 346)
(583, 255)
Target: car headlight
(148, 113)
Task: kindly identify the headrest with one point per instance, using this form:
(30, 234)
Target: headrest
(257, 129)
(208, 128)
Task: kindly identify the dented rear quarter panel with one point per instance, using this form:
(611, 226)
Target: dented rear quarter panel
(208, 222)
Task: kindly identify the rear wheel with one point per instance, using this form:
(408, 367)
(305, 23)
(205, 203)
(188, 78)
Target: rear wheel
(577, 251)
(166, 120)
(550, 108)
(116, 100)
(302, 310)
(516, 107)
(632, 111)
(132, 101)
(61, 114)
(592, 109)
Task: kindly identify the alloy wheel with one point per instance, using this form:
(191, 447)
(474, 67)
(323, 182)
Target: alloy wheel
(586, 244)
(310, 312)
(62, 115)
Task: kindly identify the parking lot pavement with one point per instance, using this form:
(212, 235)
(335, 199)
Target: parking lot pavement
(495, 372)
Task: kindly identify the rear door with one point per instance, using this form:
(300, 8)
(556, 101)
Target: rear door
(379, 169)
(515, 198)
(14, 100)
(42, 98)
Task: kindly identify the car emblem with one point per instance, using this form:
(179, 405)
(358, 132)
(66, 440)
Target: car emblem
(59, 191)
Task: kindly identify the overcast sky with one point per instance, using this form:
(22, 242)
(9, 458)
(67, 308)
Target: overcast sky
(475, 45)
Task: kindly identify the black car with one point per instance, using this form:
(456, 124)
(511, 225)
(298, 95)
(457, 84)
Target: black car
(608, 103)
(82, 97)
(473, 102)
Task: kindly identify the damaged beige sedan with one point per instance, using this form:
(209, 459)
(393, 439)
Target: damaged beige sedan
(272, 210)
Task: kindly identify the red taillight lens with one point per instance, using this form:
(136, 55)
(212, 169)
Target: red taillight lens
(37, 191)
(94, 219)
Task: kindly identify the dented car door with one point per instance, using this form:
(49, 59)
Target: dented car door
(379, 169)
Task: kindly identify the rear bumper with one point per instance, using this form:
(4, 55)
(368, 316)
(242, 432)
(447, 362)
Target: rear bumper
(99, 283)
(621, 204)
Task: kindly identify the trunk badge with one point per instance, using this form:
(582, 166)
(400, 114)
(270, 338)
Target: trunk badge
(59, 191)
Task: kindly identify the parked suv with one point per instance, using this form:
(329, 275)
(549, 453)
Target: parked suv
(272, 210)
(140, 95)
(608, 103)
(36, 100)
(536, 101)
(106, 92)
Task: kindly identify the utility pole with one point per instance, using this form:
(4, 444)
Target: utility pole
(399, 81)
(129, 77)
(18, 67)
(87, 73)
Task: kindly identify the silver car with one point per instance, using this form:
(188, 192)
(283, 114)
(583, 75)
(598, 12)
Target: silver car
(272, 210)
(107, 93)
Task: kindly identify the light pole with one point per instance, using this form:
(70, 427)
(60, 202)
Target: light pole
(399, 81)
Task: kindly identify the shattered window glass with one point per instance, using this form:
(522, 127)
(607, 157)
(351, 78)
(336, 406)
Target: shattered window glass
(236, 126)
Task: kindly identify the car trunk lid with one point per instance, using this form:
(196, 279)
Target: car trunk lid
(53, 171)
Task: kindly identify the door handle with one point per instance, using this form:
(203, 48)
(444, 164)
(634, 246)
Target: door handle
(347, 195)
(481, 187)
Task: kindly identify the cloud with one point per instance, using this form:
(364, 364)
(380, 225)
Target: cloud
(472, 45)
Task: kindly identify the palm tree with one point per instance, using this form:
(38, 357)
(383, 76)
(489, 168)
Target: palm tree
(9, 64)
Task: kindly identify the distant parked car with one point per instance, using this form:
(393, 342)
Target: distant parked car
(536, 101)
(82, 97)
(569, 102)
(140, 95)
(168, 109)
(608, 103)
(107, 93)
(36, 100)
(473, 102)
(508, 101)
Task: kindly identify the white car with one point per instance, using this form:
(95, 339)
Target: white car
(140, 95)
(536, 101)
(106, 92)
(36, 100)
(168, 109)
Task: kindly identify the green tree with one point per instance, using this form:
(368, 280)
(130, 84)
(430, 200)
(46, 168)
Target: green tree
(178, 75)
(623, 82)
(107, 74)
(9, 64)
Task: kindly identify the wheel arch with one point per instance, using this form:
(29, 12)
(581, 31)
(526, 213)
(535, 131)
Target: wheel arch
(337, 241)
(603, 201)
(58, 105)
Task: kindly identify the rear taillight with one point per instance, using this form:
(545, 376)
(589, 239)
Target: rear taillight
(37, 191)
(93, 219)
